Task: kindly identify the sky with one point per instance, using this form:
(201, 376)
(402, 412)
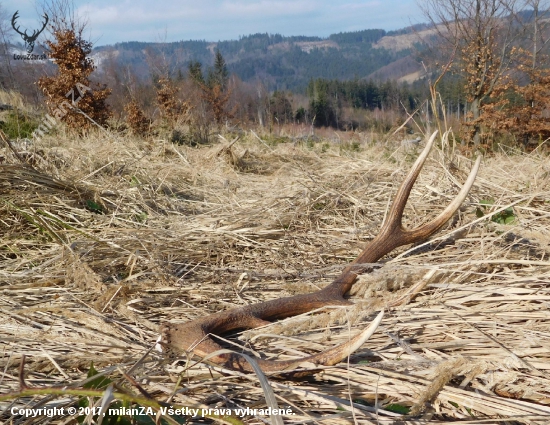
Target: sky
(112, 21)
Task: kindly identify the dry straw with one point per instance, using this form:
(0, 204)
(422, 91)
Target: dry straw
(98, 249)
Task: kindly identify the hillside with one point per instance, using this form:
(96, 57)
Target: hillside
(282, 63)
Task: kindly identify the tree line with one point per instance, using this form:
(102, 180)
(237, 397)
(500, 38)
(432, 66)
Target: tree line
(487, 66)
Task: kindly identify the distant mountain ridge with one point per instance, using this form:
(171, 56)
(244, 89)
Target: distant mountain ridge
(284, 63)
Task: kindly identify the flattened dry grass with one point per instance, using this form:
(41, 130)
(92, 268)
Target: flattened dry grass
(106, 238)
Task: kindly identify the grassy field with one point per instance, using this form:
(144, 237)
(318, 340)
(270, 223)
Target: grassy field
(108, 236)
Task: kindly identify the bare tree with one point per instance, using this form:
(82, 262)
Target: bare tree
(63, 17)
(482, 33)
(537, 25)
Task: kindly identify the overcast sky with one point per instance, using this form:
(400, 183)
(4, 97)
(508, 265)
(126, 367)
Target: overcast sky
(112, 21)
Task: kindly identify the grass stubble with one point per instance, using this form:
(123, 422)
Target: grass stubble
(104, 239)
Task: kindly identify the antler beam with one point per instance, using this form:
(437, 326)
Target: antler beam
(37, 32)
(194, 336)
(13, 19)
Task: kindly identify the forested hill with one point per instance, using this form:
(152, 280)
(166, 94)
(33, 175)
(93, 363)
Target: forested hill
(282, 63)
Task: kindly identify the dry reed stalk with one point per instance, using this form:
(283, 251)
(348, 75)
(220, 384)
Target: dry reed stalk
(178, 235)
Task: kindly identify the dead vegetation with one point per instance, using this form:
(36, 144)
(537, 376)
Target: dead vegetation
(104, 239)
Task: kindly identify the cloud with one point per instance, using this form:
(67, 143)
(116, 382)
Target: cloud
(268, 9)
(100, 16)
(112, 21)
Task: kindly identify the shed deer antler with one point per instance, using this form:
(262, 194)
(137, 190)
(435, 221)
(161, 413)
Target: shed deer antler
(195, 335)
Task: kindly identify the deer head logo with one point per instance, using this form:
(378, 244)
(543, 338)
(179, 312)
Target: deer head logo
(29, 39)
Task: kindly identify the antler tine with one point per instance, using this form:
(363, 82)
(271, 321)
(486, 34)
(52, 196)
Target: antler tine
(393, 224)
(393, 234)
(433, 226)
(46, 17)
(174, 335)
(395, 214)
(195, 335)
(36, 33)
(13, 19)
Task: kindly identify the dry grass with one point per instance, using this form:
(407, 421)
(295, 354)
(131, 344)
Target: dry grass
(110, 237)
(14, 99)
